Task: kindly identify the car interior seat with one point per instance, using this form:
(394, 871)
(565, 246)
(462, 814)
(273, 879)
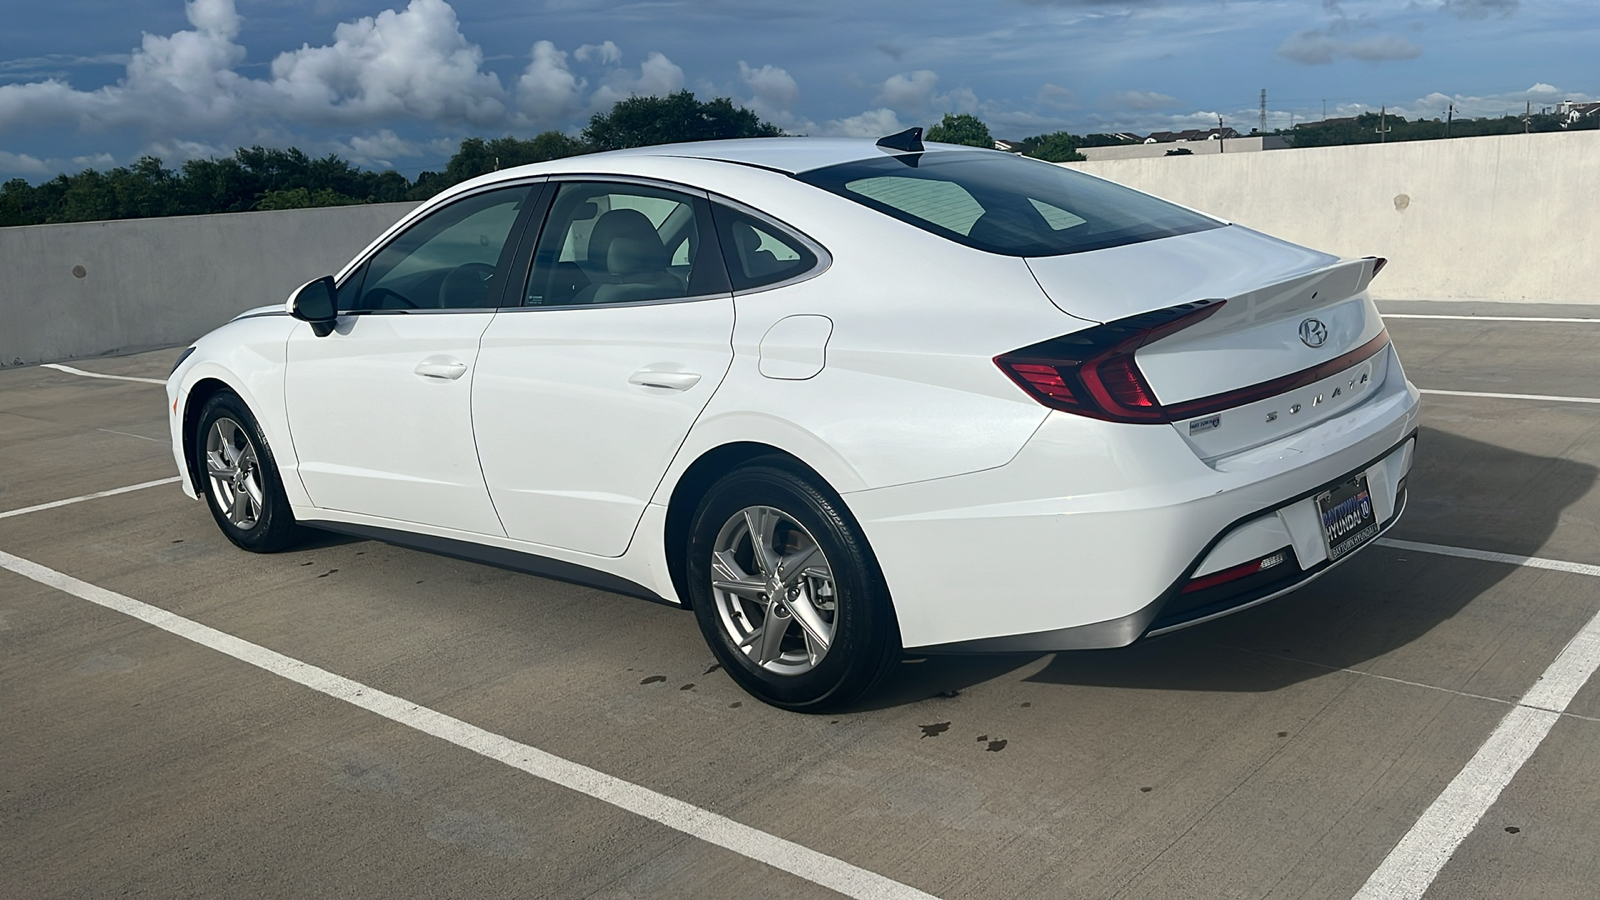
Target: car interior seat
(758, 263)
(627, 261)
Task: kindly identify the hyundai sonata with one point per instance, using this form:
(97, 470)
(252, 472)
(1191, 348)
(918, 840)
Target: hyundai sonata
(841, 398)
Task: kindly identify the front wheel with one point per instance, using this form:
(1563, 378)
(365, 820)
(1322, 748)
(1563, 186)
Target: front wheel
(787, 592)
(239, 477)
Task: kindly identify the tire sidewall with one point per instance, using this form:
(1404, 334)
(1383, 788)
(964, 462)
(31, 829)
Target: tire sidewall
(862, 623)
(275, 526)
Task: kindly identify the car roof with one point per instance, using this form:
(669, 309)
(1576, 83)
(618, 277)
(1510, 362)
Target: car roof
(786, 155)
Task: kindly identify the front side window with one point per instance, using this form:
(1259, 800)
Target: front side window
(622, 243)
(445, 261)
(1005, 204)
(758, 253)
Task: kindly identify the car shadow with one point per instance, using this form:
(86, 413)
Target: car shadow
(1463, 493)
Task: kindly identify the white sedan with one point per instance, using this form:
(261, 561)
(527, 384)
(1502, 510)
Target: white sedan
(842, 398)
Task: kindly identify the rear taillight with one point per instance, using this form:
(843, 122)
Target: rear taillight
(1093, 372)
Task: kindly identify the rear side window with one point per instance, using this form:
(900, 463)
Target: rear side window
(757, 252)
(606, 243)
(1006, 204)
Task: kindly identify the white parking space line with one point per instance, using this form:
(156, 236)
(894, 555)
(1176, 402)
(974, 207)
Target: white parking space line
(1594, 321)
(815, 867)
(1545, 397)
(1532, 562)
(1411, 867)
(71, 371)
(132, 435)
(95, 496)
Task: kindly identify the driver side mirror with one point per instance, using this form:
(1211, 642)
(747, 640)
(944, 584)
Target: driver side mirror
(317, 303)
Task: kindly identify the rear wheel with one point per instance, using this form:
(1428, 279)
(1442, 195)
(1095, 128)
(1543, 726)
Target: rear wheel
(239, 477)
(786, 590)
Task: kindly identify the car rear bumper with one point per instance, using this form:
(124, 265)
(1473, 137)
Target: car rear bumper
(1087, 538)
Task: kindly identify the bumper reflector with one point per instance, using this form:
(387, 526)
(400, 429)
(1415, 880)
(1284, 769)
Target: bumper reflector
(1235, 573)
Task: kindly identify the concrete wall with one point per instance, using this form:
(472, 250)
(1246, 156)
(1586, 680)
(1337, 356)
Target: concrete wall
(91, 289)
(1511, 217)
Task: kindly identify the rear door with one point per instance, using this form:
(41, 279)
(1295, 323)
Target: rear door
(591, 376)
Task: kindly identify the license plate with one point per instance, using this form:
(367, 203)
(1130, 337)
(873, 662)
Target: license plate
(1348, 519)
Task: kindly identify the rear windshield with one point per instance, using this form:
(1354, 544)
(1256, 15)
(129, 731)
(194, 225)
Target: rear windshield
(1006, 204)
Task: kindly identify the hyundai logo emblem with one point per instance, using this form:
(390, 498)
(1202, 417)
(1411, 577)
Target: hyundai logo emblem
(1313, 333)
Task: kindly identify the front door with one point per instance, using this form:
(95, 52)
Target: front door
(587, 388)
(380, 409)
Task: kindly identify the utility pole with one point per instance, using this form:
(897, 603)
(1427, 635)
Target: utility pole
(1324, 110)
(1449, 117)
(1383, 128)
(1263, 129)
(1222, 145)
(1527, 117)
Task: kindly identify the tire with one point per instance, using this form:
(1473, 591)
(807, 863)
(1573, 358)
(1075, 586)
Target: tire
(238, 477)
(818, 580)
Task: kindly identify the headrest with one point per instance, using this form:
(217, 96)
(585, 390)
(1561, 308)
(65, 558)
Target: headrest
(749, 241)
(619, 223)
(632, 256)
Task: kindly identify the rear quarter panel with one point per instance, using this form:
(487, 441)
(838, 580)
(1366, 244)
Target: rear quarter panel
(909, 390)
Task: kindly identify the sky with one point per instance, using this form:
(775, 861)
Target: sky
(399, 83)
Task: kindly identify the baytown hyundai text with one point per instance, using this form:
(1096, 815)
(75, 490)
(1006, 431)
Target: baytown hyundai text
(841, 398)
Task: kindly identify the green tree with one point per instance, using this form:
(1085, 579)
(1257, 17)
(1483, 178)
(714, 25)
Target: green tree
(645, 121)
(1057, 146)
(479, 157)
(961, 128)
(301, 198)
(20, 203)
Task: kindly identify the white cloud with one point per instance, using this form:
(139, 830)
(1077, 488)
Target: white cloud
(917, 94)
(98, 160)
(173, 153)
(775, 89)
(774, 94)
(548, 92)
(658, 77)
(872, 123)
(912, 91)
(605, 53)
(1054, 95)
(410, 64)
(1321, 46)
(22, 164)
(1141, 100)
(1481, 9)
(406, 65)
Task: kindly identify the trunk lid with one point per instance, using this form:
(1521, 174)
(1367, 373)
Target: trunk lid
(1274, 290)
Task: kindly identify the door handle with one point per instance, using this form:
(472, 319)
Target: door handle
(676, 381)
(441, 367)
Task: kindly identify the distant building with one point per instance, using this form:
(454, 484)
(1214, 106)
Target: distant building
(1008, 146)
(1344, 120)
(1201, 143)
(1193, 134)
(1573, 113)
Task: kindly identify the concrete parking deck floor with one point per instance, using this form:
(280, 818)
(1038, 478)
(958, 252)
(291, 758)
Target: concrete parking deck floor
(1281, 752)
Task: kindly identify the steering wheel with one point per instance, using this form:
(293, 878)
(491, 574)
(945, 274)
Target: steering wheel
(378, 298)
(466, 287)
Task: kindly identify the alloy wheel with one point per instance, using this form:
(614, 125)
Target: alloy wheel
(235, 474)
(774, 590)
